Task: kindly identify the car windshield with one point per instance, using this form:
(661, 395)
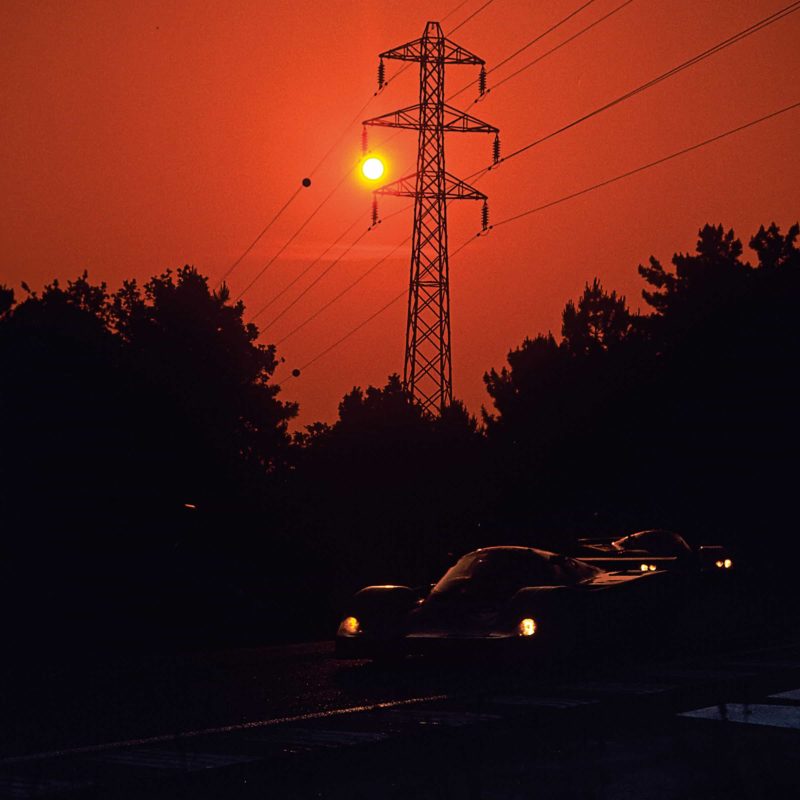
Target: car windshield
(656, 542)
(503, 572)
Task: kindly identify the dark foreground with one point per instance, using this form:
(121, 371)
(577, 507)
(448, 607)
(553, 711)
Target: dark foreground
(293, 722)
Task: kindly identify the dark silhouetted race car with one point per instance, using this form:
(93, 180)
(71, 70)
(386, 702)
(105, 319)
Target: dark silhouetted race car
(653, 550)
(516, 599)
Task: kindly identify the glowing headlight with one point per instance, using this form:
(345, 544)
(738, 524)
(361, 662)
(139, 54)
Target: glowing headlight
(350, 626)
(727, 563)
(648, 568)
(719, 564)
(526, 627)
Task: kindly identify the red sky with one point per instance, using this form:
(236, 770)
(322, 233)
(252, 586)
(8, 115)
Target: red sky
(141, 136)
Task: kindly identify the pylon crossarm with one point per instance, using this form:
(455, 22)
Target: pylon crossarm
(402, 118)
(454, 189)
(452, 53)
(402, 187)
(410, 51)
(454, 120)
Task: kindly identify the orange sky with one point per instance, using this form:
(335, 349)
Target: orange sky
(141, 136)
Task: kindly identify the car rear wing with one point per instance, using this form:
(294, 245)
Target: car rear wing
(633, 563)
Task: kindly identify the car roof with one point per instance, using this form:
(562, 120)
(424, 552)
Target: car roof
(513, 548)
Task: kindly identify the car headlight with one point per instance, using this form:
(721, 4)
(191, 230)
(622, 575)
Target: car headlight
(648, 567)
(527, 627)
(349, 626)
(727, 563)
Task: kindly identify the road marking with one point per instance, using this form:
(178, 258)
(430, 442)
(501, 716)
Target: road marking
(750, 714)
(18, 787)
(172, 759)
(792, 694)
(245, 726)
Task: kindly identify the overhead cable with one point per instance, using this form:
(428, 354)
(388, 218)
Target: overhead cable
(545, 206)
(528, 44)
(717, 48)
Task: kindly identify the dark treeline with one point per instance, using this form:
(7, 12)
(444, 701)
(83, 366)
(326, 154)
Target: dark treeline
(150, 482)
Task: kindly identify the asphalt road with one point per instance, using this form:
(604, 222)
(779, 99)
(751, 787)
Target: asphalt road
(65, 698)
(293, 722)
(61, 701)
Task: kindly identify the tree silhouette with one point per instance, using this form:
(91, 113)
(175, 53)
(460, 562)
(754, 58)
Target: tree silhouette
(600, 321)
(663, 418)
(120, 409)
(525, 393)
(194, 348)
(701, 284)
(774, 250)
(6, 299)
(386, 491)
(131, 403)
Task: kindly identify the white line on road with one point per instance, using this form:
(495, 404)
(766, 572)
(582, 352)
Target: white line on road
(171, 737)
(750, 714)
(792, 694)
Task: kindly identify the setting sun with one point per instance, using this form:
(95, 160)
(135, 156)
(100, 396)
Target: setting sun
(372, 168)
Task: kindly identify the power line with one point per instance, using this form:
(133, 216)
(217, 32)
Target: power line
(304, 272)
(255, 241)
(754, 28)
(306, 181)
(545, 206)
(717, 48)
(528, 44)
(369, 319)
(314, 282)
(540, 36)
(338, 185)
(465, 21)
(405, 66)
(696, 59)
(350, 333)
(324, 272)
(363, 108)
(330, 267)
(454, 10)
(294, 235)
(557, 47)
(644, 167)
(343, 292)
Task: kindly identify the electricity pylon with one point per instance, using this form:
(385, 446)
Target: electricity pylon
(427, 372)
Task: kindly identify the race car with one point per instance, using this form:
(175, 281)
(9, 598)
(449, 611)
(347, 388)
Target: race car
(652, 550)
(512, 599)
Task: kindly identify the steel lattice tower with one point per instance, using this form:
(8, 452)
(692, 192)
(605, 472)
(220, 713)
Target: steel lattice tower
(427, 372)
